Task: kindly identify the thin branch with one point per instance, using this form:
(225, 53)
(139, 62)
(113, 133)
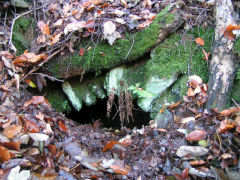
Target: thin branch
(49, 77)
(13, 22)
(130, 47)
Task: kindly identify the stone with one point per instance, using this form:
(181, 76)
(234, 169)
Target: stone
(163, 119)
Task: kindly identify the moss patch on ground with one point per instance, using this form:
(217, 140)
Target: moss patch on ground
(23, 34)
(58, 100)
(94, 60)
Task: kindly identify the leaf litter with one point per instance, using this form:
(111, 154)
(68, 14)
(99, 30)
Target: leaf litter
(36, 142)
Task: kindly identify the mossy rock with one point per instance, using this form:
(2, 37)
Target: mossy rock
(103, 56)
(24, 31)
(168, 64)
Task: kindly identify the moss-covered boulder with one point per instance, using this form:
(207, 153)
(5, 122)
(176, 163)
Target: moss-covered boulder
(130, 47)
(157, 81)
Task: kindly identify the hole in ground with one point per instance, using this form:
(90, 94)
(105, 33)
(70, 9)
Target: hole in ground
(89, 114)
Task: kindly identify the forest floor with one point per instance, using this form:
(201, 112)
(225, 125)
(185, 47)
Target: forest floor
(36, 142)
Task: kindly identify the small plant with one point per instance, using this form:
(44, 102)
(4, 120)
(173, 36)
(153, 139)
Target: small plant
(140, 92)
(238, 74)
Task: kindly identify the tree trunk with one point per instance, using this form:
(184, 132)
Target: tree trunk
(224, 64)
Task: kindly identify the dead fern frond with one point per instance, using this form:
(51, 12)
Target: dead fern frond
(110, 102)
(121, 107)
(128, 105)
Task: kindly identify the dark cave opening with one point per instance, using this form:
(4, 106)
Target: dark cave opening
(98, 111)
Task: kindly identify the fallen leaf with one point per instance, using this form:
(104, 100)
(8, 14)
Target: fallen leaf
(12, 131)
(41, 39)
(62, 127)
(196, 135)
(15, 172)
(74, 26)
(6, 54)
(119, 169)
(188, 119)
(30, 83)
(39, 137)
(226, 156)
(12, 145)
(175, 105)
(55, 38)
(199, 41)
(52, 149)
(191, 150)
(226, 125)
(228, 112)
(197, 162)
(102, 53)
(228, 31)
(190, 92)
(4, 154)
(29, 125)
(37, 100)
(44, 28)
(124, 2)
(81, 52)
(105, 5)
(144, 24)
(162, 110)
(111, 144)
(194, 81)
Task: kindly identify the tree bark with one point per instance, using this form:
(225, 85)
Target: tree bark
(224, 64)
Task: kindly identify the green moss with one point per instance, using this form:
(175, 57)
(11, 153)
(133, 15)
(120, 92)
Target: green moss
(58, 100)
(236, 91)
(177, 52)
(23, 32)
(237, 47)
(93, 60)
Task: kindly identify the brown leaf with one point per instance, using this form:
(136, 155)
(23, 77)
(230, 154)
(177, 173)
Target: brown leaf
(162, 110)
(226, 125)
(175, 105)
(4, 154)
(119, 169)
(197, 162)
(228, 31)
(37, 100)
(190, 92)
(195, 81)
(6, 54)
(196, 135)
(30, 125)
(20, 59)
(110, 145)
(81, 52)
(55, 38)
(44, 28)
(41, 39)
(62, 127)
(226, 156)
(52, 149)
(200, 41)
(12, 145)
(12, 131)
(124, 2)
(228, 112)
